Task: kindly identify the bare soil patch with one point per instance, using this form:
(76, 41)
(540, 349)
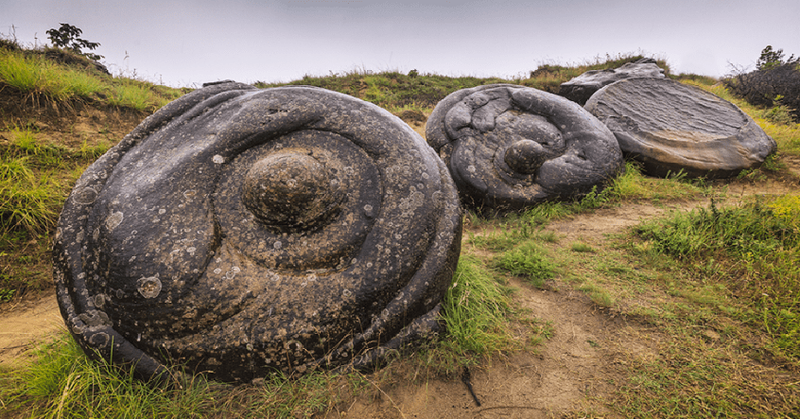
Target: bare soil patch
(577, 365)
(70, 124)
(26, 323)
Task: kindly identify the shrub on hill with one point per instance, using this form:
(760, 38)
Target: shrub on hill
(775, 82)
(66, 37)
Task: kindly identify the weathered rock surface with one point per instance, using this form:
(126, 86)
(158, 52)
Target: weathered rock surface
(240, 231)
(510, 146)
(581, 88)
(670, 126)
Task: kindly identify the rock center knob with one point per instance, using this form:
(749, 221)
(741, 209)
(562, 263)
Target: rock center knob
(289, 190)
(525, 156)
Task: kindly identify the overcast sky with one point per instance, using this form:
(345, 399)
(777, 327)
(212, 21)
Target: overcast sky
(186, 43)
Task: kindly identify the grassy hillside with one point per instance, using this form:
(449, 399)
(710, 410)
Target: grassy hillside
(719, 285)
(397, 92)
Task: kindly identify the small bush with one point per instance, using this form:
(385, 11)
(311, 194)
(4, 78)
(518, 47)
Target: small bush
(66, 37)
(775, 82)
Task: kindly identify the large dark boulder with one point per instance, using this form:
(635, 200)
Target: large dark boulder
(672, 127)
(509, 146)
(580, 89)
(239, 231)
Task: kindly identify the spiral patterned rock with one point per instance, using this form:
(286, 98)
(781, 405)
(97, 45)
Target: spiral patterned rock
(509, 146)
(239, 231)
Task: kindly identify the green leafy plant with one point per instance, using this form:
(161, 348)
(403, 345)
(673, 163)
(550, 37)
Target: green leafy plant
(771, 58)
(6, 294)
(66, 36)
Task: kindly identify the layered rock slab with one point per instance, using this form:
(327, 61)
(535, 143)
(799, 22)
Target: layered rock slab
(580, 89)
(672, 127)
(240, 231)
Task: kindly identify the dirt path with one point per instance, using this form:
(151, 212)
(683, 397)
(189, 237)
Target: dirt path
(575, 365)
(580, 363)
(570, 372)
(25, 323)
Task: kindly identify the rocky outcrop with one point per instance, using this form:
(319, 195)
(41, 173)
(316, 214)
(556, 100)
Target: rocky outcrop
(581, 88)
(672, 127)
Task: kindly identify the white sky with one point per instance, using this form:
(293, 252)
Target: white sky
(186, 43)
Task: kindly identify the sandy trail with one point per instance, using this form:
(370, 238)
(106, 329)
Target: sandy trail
(26, 323)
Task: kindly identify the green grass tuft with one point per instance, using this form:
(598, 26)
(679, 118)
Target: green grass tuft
(32, 73)
(529, 260)
(62, 382)
(28, 200)
(582, 248)
(477, 310)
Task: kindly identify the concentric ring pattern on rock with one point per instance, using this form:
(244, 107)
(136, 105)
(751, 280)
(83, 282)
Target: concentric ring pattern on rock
(671, 127)
(239, 231)
(510, 146)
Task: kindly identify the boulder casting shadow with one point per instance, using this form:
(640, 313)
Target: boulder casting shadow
(509, 146)
(671, 127)
(239, 231)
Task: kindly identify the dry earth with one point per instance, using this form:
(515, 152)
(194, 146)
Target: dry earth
(573, 371)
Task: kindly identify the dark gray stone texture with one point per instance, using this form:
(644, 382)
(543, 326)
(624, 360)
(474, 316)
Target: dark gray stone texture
(581, 88)
(240, 231)
(509, 146)
(671, 127)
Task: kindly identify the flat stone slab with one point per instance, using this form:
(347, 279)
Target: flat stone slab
(509, 146)
(581, 88)
(672, 127)
(240, 231)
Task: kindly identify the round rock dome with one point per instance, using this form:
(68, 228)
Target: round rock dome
(238, 231)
